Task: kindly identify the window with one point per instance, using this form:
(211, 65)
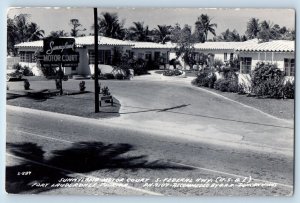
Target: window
(164, 57)
(140, 55)
(231, 56)
(225, 56)
(27, 56)
(22, 56)
(148, 56)
(74, 68)
(104, 57)
(156, 55)
(289, 67)
(245, 65)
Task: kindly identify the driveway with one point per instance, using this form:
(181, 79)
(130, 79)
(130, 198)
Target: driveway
(175, 108)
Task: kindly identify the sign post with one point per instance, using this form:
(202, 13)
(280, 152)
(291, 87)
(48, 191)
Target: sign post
(58, 52)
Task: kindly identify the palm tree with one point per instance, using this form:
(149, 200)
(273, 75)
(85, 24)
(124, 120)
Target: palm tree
(163, 33)
(253, 28)
(110, 26)
(138, 32)
(229, 36)
(203, 25)
(12, 38)
(21, 22)
(58, 33)
(19, 29)
(34, 33)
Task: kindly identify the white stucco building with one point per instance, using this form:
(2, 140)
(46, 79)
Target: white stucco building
(281, 52)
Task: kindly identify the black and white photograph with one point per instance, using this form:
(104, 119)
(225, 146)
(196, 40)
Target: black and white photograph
(150, 101)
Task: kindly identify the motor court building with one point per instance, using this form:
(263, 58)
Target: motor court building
(281, 52)
(85, 47)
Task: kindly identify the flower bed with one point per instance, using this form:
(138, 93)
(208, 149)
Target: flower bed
(174, 73)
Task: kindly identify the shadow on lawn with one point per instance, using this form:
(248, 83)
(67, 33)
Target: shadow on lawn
(81, 157)
(41, 95)
(37, 96)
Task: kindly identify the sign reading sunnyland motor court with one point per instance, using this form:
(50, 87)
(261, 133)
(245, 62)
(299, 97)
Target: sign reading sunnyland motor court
(58, 51)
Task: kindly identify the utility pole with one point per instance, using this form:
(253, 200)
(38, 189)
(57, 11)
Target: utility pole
(96, 61)
(60, 79)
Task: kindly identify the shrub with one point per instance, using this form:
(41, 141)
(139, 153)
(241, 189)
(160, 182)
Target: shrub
(229, 83)
(139, 66)
(49, 72)
(26, 85)
(26, 71)
(222, 85)
(205, 79)
(82, 86)
(267, 81)
(105, 91)
(109, 76)
(289, 90)
(17, 66)
(119, 76)
(168, 73)
(225, 85)
(218, 63)
(243, 89)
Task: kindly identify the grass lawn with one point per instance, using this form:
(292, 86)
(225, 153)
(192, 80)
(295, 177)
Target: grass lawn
(74, 104)
(281, 108)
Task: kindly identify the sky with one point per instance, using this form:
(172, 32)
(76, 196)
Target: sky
(51, 19)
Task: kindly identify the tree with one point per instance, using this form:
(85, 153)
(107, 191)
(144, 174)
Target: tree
(110, 26)
(20, 29)
(252, 28)
(175, 33)
(11, 36)
(267, 32)
(21, 22)
(203, 26)
(58, 33)
(75, 27)
(229, 36)
(185, 43)
(163, 33)
(289, 35)
(34, 33)
(138, 32)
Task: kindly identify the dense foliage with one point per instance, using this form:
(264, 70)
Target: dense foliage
(205, 78)
(267, 80)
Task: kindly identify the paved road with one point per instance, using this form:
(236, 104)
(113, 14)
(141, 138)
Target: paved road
(166, 130)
